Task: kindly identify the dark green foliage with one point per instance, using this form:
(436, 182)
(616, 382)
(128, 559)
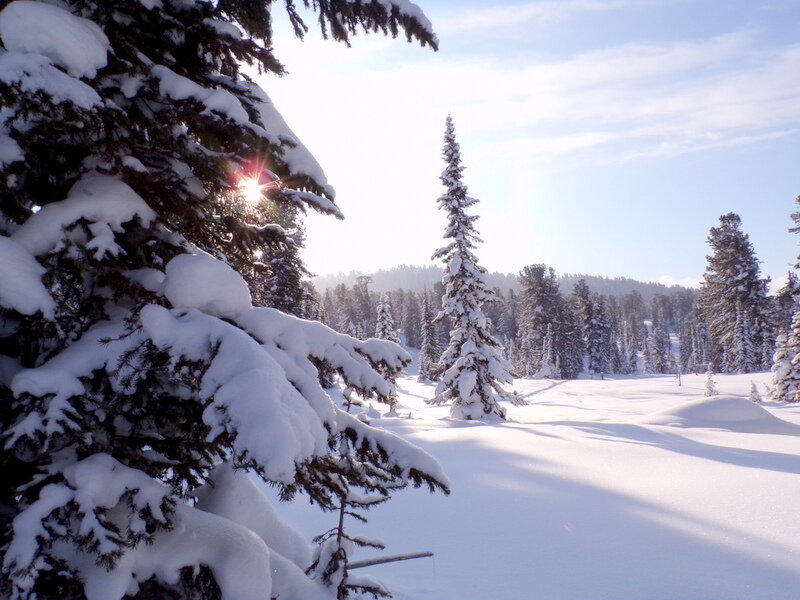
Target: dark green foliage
(734, 301)
(543, 309)
(185, 159)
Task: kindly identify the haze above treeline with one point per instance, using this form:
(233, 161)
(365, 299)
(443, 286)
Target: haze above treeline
(418, 278)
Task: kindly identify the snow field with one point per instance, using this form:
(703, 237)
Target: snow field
(622, 489)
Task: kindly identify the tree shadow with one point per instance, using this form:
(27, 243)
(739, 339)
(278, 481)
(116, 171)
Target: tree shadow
(668, 439)
(512, 530)
(552, 384)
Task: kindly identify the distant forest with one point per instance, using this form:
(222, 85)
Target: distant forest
(417, 279)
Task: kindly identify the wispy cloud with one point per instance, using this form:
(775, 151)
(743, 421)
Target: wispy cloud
(530, 14)
(615, 103)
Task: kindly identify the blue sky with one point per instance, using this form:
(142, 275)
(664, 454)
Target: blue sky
(601, 136)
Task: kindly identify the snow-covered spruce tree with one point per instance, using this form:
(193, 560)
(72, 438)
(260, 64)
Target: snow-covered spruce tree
(133, 367)
(755, 395)
(508, 325)
(543, 309)
(786, 299)
(384, 326)
(364, 308)
(430, 350)
(596, 327)
(734, 301)
(632, 356)
(472, 366)
(598, 341)
(284, 284)
(550, 363)
(660, 355)
(786, 360)
(711, 388)
(786, 365)
(412, 327)
(647, 356)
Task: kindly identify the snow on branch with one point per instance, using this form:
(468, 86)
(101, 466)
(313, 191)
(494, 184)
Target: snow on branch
(299, 161)
(248, 395)
(88, 491)
(104, 202)
(21, 286)
(33, 73)
(77, 45)
(414, 464)
(300, 340)
(238, 558)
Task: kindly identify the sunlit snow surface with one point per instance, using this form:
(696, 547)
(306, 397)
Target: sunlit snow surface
(622, 489)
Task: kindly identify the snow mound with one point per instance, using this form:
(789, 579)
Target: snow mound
(201, 281)
(722, 412)
(78, 45)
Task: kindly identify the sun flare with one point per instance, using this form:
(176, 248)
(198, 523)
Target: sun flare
(252, 190)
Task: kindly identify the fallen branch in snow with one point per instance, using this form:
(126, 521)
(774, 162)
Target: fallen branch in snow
(379, 561)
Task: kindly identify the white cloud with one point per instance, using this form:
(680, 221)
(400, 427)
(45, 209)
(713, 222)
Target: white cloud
(662, 98)
(530, 14)
(373, 115)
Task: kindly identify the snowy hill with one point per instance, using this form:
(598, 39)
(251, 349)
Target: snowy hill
(622, 489)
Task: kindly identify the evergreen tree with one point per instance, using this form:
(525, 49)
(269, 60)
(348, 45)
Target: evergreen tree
(743, 354)
(616, 364)
(647, 356)
(508, 325)
(755, 396)
(583, 306)
(595, 326)
(734, 300)
(632, 356)
(659, 349)
(550, 364)
(786, 365)
(430, 350)
(136, 370)
(569, 347)
(412, 324)
(543, 308)
(384, 324)
(364, 308)
(795, 217)
(711, 388)
(598, 336)
(286, 272)
(472, 366)
(786, 299)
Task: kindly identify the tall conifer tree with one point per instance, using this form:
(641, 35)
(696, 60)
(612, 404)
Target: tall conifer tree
(384, 325)
(734, 300)
(430, 350)
(472, 366)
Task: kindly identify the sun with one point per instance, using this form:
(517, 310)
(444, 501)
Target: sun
(252, 190)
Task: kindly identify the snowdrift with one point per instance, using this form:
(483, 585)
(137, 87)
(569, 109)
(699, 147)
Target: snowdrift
(722, 412)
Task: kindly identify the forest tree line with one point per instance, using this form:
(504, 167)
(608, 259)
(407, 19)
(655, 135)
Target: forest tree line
(729, 325)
